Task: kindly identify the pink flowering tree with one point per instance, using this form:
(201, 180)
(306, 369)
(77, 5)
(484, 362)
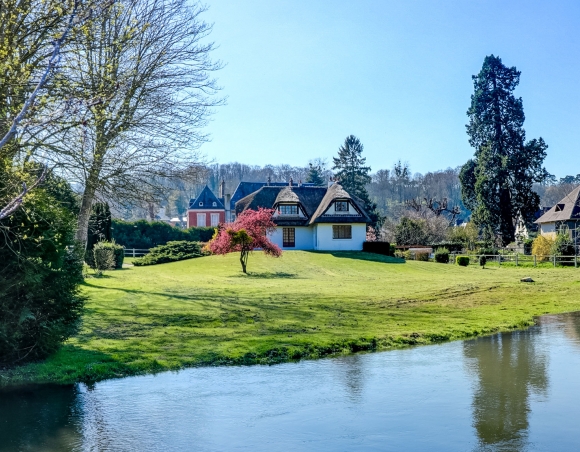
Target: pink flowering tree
(249, 232)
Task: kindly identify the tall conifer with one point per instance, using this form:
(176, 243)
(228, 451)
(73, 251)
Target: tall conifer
(353, 175)
(497, 183)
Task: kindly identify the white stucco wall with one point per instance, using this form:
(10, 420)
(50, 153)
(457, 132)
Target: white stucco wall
(325, 242)
(303, 238)
(548, 229)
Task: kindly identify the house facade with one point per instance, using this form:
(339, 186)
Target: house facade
(563, 217)
(206, 210)
(311, 218)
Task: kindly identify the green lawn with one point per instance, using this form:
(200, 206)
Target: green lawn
(302, 305)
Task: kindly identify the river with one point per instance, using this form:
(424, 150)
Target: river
(516, 391)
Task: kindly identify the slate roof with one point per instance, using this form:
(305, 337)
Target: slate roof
(207, 198)
(566, 209)
(313, 200)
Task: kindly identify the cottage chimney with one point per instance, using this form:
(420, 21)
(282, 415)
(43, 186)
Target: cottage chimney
(228, 206)
(300, 183)
(291, 182)
(269, 180)
(222, 188)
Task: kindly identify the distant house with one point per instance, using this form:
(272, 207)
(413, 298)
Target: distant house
(206, 210)
(310, 217)
(563, 217)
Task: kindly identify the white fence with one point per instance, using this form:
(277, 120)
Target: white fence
(520, 259)
(135, 252)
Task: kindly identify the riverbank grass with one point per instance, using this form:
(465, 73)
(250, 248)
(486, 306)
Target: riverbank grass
(205, 311)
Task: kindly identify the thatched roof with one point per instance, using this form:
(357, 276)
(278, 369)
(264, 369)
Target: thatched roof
(314, 201)
(566, 209)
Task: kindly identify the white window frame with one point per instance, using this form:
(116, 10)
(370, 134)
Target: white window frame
(214, 219)
(335, 231)
(203, 217)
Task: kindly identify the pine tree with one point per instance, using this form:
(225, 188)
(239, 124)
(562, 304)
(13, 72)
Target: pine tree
(496, 184)
(315, 175)
(353, 175)
(99, 225)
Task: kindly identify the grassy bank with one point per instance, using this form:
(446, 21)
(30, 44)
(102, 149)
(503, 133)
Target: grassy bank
(303, 305)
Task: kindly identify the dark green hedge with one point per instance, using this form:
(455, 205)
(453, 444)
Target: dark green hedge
(378, 248)
(462, 260)
(170, 252)
(146, 234)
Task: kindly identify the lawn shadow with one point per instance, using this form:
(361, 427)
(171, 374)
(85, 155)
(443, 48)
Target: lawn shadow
(267, 275)
(362, 255)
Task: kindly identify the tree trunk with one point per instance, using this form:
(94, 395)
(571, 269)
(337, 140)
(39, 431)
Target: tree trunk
(85, 214)
(243, 258)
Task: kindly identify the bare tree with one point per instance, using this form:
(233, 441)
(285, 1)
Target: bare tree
(142, 90)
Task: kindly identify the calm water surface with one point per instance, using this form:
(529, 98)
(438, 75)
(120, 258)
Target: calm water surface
(509, 392)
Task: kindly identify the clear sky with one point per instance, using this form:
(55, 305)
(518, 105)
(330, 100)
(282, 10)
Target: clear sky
(301, 75)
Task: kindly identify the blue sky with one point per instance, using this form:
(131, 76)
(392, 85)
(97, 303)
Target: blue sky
(302, 75)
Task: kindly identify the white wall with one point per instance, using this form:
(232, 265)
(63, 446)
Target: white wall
(303, 238)
(325, 242)
(548, 229)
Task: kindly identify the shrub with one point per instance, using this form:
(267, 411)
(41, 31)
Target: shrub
(377, 248)
(392, 249)
(422, 256)
(103, 258)
(400, 254)
(143, 234)
(482, 261)
(40, 301)
(542, 247)
(170, 252)
(117, 250)
(563, 245)
(449, 246)
(442, 255)
(462, 260)
(528, 246)
(407, 255)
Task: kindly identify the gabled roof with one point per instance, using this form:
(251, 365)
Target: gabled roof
(246, 188)
(567, 209)
(315, 201)
(207, 198)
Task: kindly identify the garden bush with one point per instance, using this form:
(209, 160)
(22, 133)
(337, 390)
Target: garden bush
(442, 255)
(462, 260)
(482, 261)
(542, 247)
(40, 301)
(143, 234)
(171, 252)
(422, 256)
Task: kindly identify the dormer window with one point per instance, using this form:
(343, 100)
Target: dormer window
(288, 210)
(559, 207)
(341, 206)
(214, 204)
(201, 204)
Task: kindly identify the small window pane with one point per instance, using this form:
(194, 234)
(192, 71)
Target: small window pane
(341, 206)
(288, 210)
(342, 232)
(288, 237)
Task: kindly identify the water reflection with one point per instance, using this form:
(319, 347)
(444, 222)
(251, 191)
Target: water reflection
(508, 368)
(38, 419)
(351, 373)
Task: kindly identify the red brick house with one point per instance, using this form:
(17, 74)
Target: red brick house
(206, 210)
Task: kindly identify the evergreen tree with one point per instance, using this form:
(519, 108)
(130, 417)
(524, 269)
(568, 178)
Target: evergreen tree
(99, 225)
(315, 175)
(353, 175)
(497, 183)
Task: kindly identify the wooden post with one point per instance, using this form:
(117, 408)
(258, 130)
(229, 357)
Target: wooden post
(535, 260)
(133, 252)
(499, 259)
(575, 261)
(554, 260)
(516, 259)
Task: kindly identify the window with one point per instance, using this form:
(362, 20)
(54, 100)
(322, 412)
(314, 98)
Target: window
(288, 237)
(559, 207)
(341, 206)
(201, 203)
(342, 231)
(215, 219)
(201, 220)
(214, 204)
(288, 210)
